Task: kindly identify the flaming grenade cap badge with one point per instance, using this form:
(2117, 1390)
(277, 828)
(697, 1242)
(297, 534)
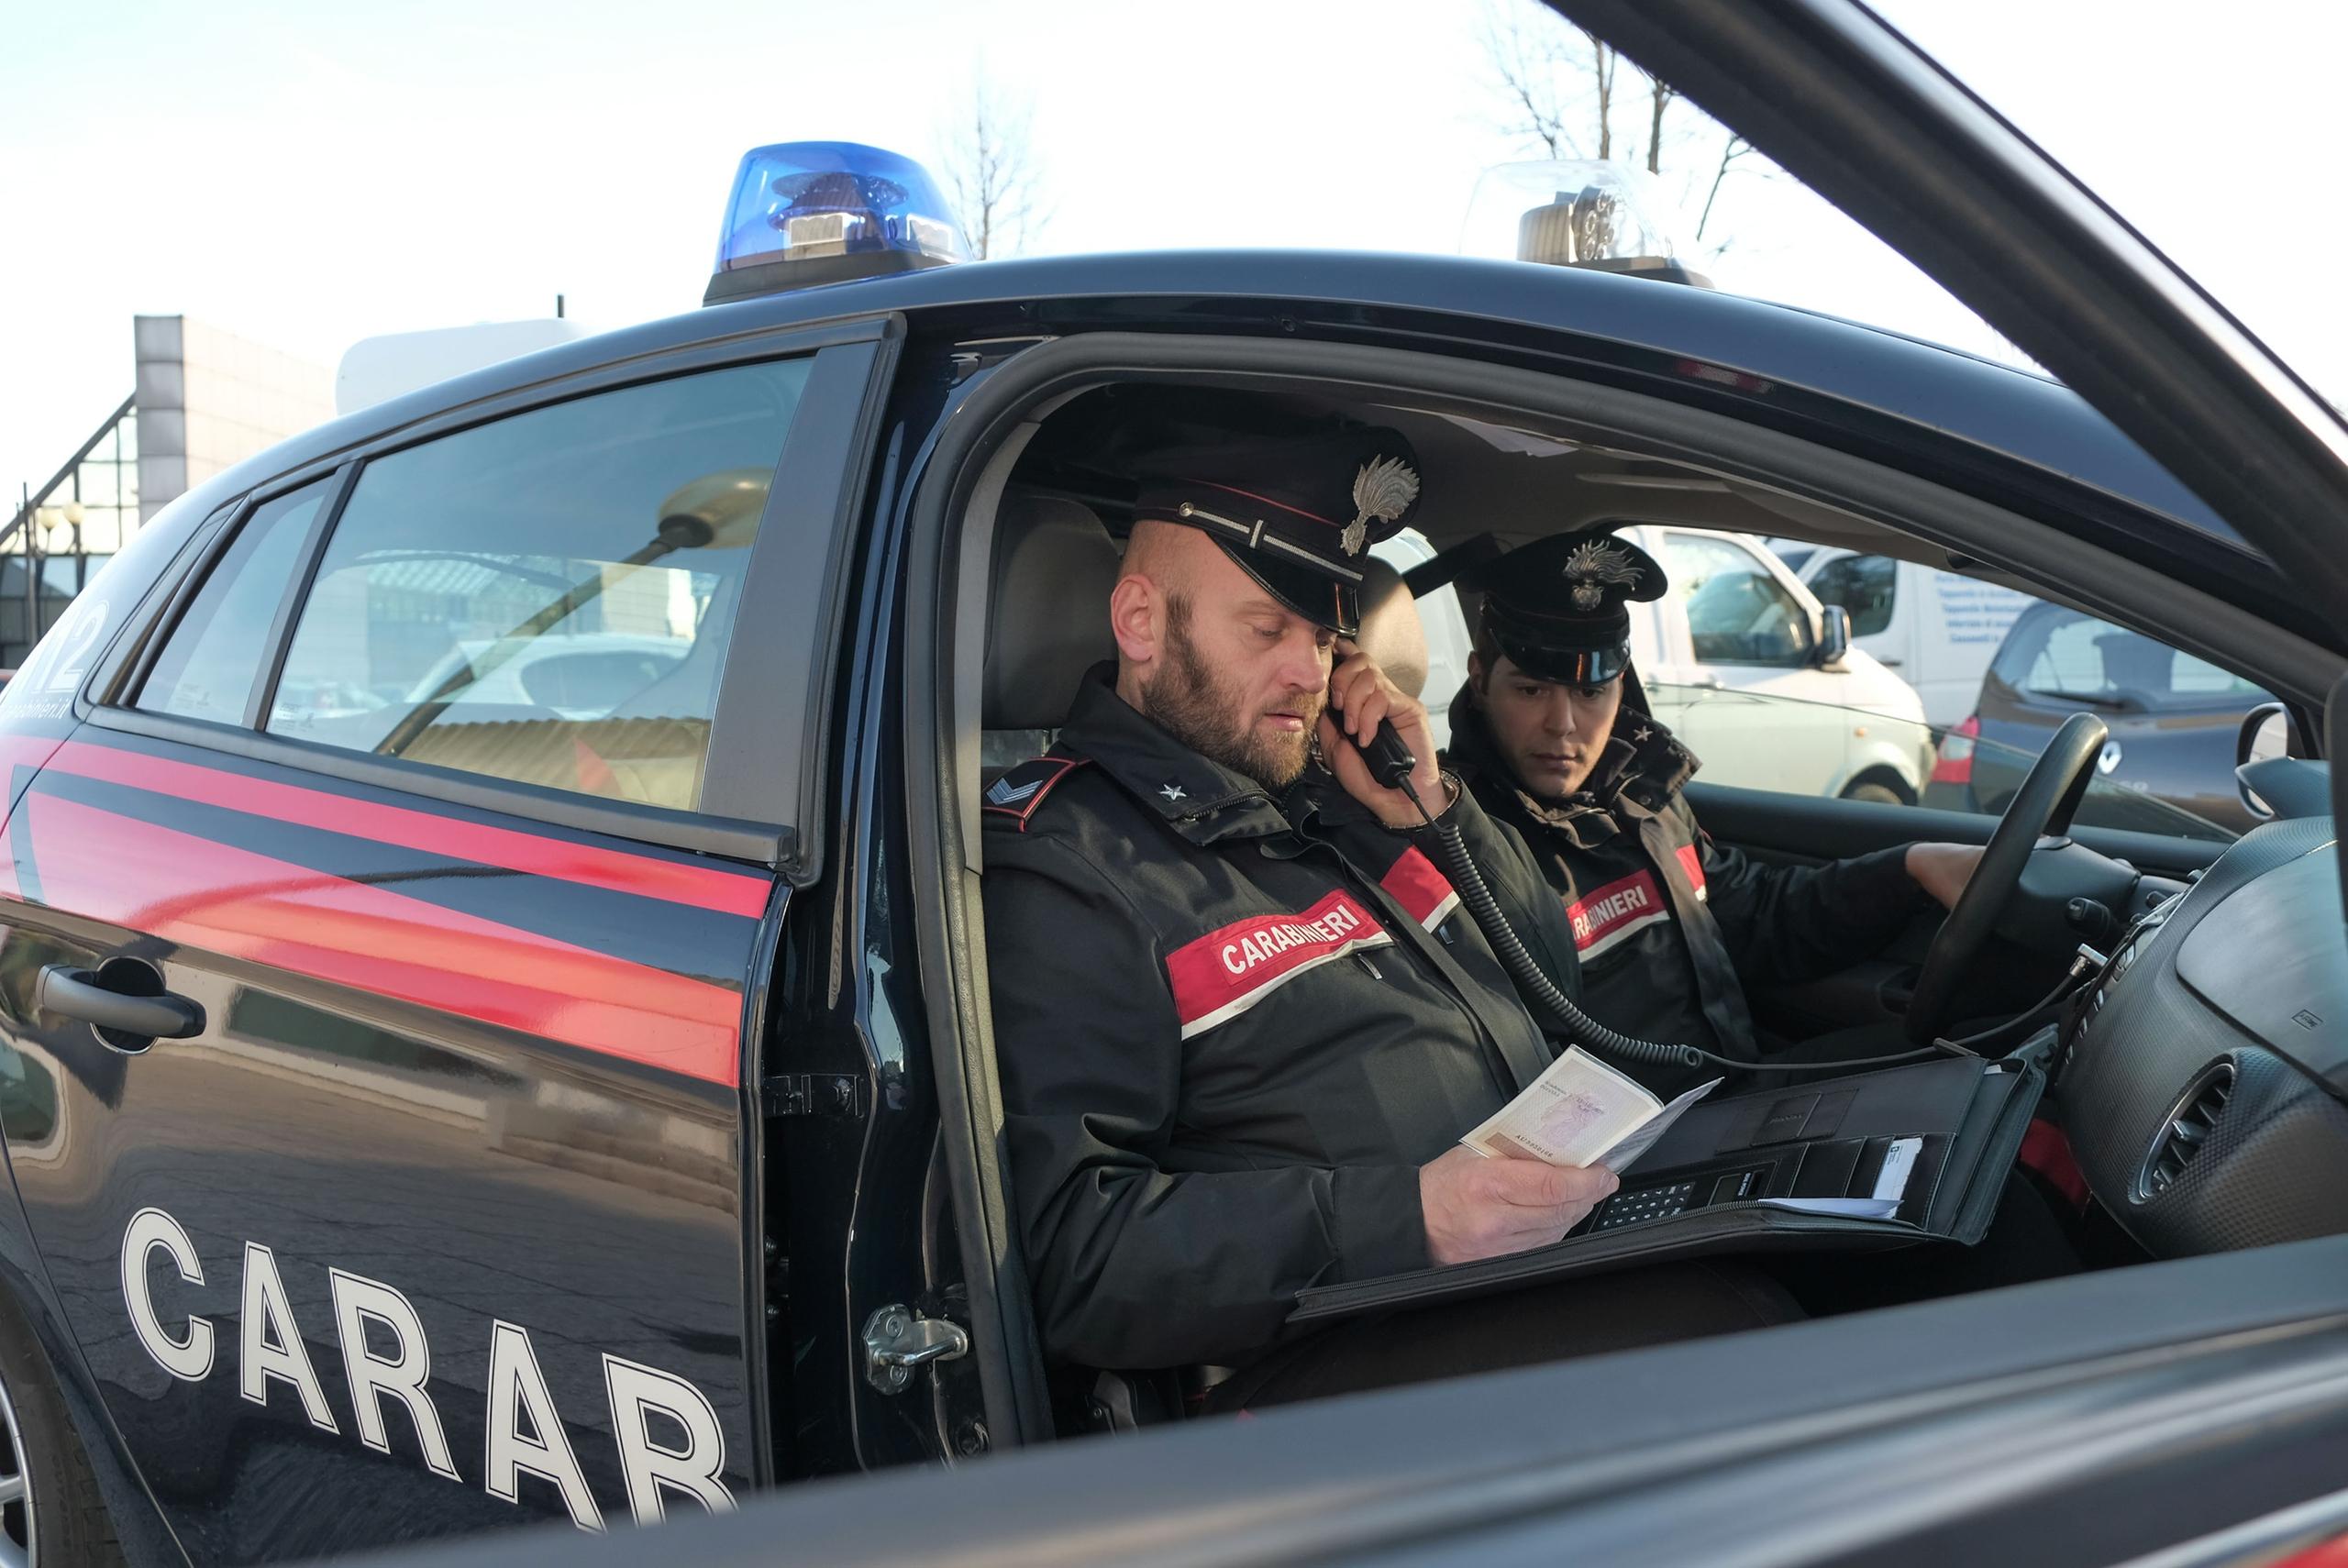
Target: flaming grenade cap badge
(1593, 568)
(1384, 491)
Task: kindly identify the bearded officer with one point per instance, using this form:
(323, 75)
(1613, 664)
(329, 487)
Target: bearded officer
(1554, 738)
(1238, 1040)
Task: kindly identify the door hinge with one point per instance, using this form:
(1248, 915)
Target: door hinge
(813, 1094)
(897, 1339)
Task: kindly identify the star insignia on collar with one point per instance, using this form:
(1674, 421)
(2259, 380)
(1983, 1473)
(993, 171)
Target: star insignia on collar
(1641, 733)
(1172, 791)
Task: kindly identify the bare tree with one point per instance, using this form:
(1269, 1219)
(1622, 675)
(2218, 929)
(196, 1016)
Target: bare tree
(1734, 148)
(1602, 62)
(1533, 67)
(992, 174)
(1659, 97)
(1561, 86)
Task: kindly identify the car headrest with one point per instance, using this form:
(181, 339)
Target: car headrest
(1391, 632)
(2135, 663)
(1048, 610)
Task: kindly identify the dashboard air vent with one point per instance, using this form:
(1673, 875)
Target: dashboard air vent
(2187, 1128)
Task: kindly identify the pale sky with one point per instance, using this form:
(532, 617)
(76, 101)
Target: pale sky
(306, 176)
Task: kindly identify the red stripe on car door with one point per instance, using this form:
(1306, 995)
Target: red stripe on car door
(19, 749)
(703, 887)
(206, 895)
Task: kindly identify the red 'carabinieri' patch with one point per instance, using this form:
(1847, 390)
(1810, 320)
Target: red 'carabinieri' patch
(1223, 974)
(1605, 917)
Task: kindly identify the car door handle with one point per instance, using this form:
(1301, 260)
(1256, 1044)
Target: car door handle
(76, 993)
(1889, 661)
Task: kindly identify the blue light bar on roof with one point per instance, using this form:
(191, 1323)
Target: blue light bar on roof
(818, 212)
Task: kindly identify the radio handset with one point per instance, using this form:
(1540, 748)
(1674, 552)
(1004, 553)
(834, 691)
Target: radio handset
(1391, 763)
(1389, 760)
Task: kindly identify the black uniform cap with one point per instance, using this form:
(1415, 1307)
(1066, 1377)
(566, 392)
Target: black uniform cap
(1556, 607)
(1294, 511)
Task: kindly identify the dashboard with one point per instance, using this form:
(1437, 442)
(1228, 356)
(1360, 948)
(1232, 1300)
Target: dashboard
(2206, 1091)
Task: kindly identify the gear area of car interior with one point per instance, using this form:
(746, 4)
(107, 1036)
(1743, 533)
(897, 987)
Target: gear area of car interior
(2171, 997)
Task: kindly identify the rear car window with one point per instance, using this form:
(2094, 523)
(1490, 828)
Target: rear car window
(207, 666)
(547, 599)
(1866, 586)
(2064, 656)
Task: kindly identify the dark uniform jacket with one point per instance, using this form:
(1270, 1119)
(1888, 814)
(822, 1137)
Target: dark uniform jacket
(1229, 1030)
(1670, 926)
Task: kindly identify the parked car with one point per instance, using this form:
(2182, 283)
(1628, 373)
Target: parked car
(2175, 720)
(1762, 682)
(1936, 629)
(1795, 553)
(443, 1134)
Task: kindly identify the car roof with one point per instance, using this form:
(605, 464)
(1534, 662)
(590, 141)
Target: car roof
(2025, 415)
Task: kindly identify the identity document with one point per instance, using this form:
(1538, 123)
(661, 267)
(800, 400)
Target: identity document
(1581, 1112)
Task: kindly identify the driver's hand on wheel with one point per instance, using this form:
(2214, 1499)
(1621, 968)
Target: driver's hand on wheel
(1942, 869)
(1480, 1207)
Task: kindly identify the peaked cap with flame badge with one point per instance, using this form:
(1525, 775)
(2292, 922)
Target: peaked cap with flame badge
(1296, 511)
(1558, 607)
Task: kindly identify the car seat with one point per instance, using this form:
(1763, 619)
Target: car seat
(1391, 632)
(652, 748)
(1047, 621)
(656, 761)
(2136, 669)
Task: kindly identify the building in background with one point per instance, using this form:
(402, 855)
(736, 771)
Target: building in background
(202, 400)
(207, 399)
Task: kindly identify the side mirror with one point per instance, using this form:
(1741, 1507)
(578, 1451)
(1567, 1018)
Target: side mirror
(1834, 637)
(2267, 731)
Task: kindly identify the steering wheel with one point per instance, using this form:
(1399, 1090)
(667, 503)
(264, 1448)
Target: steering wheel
(2042, 807)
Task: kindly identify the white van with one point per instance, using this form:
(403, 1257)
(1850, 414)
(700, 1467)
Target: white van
(1938, 630)
(1744, 665)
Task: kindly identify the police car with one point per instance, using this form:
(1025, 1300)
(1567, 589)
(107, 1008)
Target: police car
(437, 1104)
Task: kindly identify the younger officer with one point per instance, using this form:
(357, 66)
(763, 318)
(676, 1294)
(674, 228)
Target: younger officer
(1238, 1036)
(1553, 737)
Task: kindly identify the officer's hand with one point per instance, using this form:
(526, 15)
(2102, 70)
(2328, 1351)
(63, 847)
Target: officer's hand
(1359, 696)
(1942, 869)
(1480, 1208)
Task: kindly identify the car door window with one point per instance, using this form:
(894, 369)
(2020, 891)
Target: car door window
(547, 599)
(1737, 612)
(1867, 586)
(207, 666)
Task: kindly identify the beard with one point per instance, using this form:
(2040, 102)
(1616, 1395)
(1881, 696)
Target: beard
(1213, 716)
